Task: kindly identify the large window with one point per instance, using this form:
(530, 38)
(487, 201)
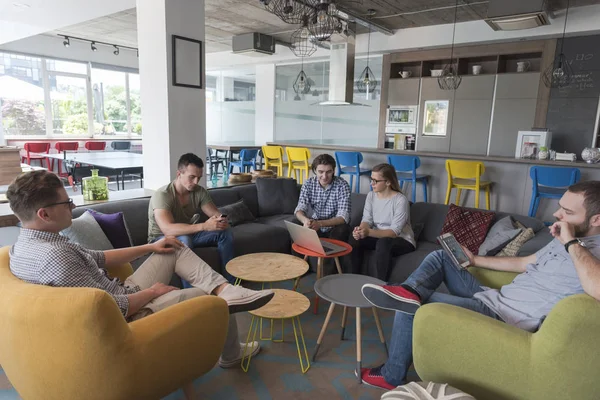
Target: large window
(55, 98)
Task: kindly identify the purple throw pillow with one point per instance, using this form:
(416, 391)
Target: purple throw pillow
(114, 227)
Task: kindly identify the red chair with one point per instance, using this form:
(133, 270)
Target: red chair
(60, 147)
(37, 147)
(95, 146)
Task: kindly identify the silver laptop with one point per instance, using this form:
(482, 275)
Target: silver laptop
(308, 238)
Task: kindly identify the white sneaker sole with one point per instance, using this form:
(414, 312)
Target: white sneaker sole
(250, 303)
(387, 300)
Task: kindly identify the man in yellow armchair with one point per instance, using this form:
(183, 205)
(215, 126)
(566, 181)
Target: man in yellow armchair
(42, 256)
(568, 265)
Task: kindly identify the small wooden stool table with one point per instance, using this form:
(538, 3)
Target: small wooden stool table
(345, 290)
(309, 253)
(286, 304)
(267, 268)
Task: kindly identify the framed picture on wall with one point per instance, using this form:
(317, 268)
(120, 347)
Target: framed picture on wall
(187, 62)
(435, 117)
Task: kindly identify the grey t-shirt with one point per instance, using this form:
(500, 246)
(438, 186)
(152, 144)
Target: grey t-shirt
(532, 294)
(391, 213)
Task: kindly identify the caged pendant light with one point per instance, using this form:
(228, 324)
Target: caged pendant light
(366, 82)
(290, 11)
(559, 73)
(450, 79)
(302, 46)
(301, 84)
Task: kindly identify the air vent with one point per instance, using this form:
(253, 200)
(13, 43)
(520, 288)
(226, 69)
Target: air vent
(511, 15)
(253, 44)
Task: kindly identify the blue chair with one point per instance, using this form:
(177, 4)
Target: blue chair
(406, 170)
(348, 162)
(550, 183)
(247, 160)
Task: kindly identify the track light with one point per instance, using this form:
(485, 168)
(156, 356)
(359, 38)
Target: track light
(116, 52)
(67, 42)
(93, 46)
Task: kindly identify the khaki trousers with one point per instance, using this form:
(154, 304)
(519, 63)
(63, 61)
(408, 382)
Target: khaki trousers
(185, 263)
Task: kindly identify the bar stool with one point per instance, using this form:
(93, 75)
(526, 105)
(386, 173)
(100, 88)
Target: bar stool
(95, 146)
(550, 183)
(37, 147)
(60, 147)
(467, 175)
(298, 162)
(406, 170)
(247, 160)
(351, 160)
(274, 158)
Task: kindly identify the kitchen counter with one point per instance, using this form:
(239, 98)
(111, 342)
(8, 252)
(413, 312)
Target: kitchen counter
(317, 144)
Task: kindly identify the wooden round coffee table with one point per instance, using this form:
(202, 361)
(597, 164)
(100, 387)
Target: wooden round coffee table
(286, 304)
(320, 257)
(267, 268)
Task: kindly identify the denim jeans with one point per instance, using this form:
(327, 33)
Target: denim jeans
(222, 239)
(436, 268)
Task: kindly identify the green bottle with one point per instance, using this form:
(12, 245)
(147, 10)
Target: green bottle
(95, 187)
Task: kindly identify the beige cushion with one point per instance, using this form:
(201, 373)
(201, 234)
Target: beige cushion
(513, 247)
(426, 391)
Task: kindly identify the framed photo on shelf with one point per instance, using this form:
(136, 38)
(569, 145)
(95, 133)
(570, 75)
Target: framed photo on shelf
(435, 117)
(187, 62)
(529, 143)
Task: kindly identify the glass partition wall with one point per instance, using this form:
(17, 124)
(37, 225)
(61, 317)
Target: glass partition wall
(299, 117)
(230, 105)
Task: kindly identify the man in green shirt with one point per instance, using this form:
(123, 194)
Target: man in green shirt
(173, 211)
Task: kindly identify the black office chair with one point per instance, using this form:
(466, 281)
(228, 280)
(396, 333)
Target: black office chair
(120, 146)
(214, 159)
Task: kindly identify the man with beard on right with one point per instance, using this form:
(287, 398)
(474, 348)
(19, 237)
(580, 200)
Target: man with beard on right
(568, 265)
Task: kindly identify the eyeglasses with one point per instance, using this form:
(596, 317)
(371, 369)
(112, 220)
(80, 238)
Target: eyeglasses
(69, 202)
(376, 181)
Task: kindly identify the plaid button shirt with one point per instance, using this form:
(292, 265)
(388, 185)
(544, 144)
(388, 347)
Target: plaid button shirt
(325, 203)
(47, 258)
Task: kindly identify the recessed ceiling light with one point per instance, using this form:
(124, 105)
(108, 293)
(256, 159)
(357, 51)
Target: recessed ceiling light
(20, 5)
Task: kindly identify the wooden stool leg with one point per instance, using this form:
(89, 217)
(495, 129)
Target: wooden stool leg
(323, 329)
(319, 276)
(338, 265)
(344, 318)
(358, 346)
(378, 323)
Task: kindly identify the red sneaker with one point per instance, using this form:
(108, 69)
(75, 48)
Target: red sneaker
(394, 298)
(373, 377)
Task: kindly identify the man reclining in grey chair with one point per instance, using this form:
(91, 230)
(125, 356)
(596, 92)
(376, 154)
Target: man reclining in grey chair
(42, 256)
(568, 265)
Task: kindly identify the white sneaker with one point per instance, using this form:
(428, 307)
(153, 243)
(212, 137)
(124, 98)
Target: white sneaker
(241, 299)
(253, 350)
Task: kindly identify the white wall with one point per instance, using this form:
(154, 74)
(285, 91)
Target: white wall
(52, 47)
(265, 104)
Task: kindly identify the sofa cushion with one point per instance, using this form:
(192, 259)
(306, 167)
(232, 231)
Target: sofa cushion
(500, 234)
(254, 238)
(250, 196)
(277, 220)
(135, 212)
(237, 213)
(468, 226)
(404, 265)
(276, 196)
(86, 232)
(357, 201)
(114, 227)
(222, 197)
(426, 390)
(432, 215)
(513, 247)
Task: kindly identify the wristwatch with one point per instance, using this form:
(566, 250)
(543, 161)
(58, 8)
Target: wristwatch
(574, 241)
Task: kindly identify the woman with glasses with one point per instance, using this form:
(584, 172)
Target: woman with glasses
(385, 225)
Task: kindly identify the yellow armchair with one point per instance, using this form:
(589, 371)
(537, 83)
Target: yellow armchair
(73, 343)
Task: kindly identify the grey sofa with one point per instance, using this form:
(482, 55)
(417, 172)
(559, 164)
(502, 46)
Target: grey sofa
(268, 233)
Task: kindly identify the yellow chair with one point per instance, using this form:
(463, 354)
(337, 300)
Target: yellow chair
(73, 343)
(467, 175)
(298, 162)
(274, 158)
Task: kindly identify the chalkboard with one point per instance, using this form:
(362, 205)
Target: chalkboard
(572, 109)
